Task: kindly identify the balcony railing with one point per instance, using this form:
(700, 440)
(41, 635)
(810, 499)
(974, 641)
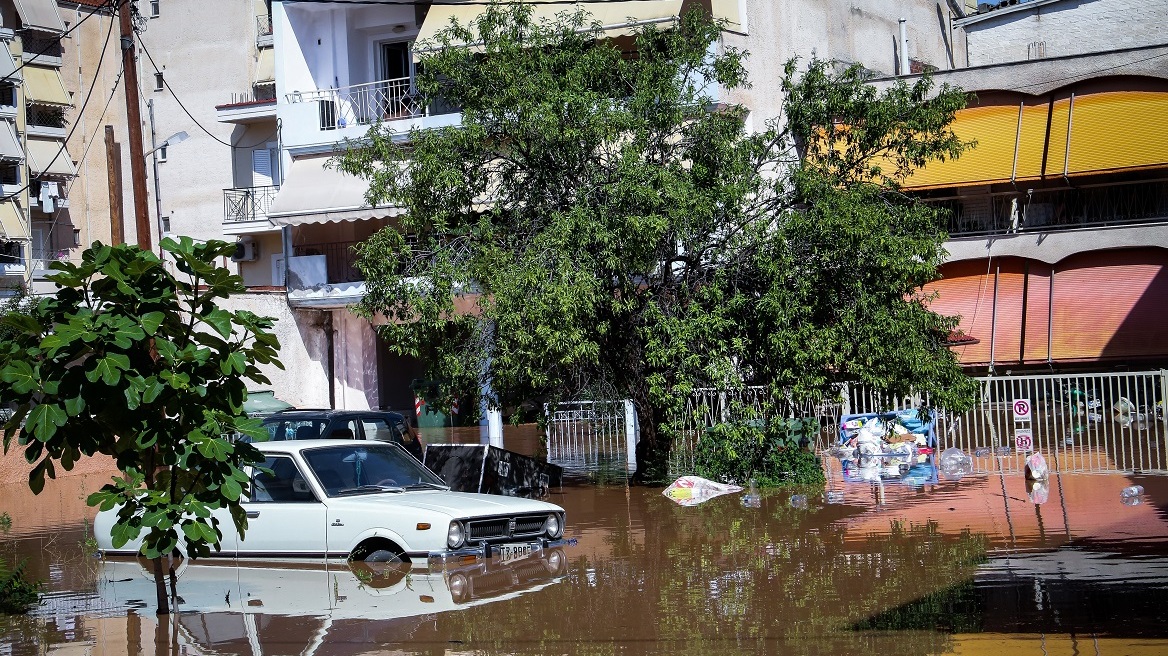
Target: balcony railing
(43, 48)
(1059, 209)
(44, 116)
(248, 203)
(340, 260)
(364, 104)
(263, 25)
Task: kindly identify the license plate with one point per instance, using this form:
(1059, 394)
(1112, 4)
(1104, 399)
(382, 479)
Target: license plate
(512, 551)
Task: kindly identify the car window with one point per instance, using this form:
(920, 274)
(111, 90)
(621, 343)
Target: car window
(281, 483)
(392, 429)
(349, 468)
(343, 429)
(280, 429)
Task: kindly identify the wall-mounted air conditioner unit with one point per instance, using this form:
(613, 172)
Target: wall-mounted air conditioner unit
(246, 250)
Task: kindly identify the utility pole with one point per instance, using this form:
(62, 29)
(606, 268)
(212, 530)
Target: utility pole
(134, 118)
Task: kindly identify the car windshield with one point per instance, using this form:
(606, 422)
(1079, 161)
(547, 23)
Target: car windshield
(364, 468)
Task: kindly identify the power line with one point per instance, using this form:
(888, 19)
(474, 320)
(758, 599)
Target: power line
(107, 5)
(187, 111)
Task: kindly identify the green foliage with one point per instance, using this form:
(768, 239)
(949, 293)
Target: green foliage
(131, 361)
(17, 593)
(772, 453)
(592, 224)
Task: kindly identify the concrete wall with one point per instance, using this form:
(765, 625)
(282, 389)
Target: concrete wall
(262, 272)
(1065, 27)
(207, 51)
(303, 349)
(860, 31)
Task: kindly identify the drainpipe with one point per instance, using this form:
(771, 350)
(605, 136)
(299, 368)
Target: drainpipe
(904, 67)
(994, 318)
(330, 347)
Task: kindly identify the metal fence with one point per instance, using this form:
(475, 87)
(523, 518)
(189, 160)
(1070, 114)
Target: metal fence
(248, 203)
(340, 259)
(364, 104)
(586, 437)
(1091, 422)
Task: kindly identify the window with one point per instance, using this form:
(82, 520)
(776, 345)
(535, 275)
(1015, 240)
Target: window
(154, 8)
(7, 95)
(285, 483)
(9, 172)
(162, 153)
(159, 83)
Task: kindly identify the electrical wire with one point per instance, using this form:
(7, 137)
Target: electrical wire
(188, 113)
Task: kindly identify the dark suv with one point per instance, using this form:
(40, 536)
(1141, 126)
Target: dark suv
(382, 425)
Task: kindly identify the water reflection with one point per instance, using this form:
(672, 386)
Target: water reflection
(984, 564)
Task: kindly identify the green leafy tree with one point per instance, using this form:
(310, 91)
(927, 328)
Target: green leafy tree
(621, 234)
(132, 361)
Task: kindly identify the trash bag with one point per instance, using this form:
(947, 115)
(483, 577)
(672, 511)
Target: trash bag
(1036, 469)
(692, 490)
(1038, 491)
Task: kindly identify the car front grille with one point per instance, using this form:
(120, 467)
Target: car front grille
(502, 528)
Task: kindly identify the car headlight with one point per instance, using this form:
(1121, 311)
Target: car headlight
(552, 526)
(454, 535)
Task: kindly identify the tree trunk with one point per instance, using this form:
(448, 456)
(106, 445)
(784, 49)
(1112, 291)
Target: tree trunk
(652, 449)
(159, 575)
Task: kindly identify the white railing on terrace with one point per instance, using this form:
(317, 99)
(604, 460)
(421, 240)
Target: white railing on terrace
(363, 104)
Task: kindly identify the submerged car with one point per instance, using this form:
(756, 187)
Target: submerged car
(368, 501)
(380, 425)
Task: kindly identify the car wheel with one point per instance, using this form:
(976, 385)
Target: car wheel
(382, 556)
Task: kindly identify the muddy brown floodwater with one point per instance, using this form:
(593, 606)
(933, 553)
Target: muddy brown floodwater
(919, 565)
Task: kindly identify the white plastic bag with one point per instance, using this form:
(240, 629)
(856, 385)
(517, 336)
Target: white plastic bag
(692, 490)
(1036, 469)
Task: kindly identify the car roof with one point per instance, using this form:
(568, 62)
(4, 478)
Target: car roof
(294, 446)
(309, 412)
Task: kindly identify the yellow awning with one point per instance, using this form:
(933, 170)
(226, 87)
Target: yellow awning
(40, 15)
(729, 10)
(1109, 131)
(11, 221)
(49, 156)
(617, 18)
(266, 66)
(45, 86)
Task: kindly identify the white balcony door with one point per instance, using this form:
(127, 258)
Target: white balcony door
(39, 248)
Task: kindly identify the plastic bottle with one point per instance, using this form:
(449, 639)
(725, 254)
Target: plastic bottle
(798, 501)
(1131, 491)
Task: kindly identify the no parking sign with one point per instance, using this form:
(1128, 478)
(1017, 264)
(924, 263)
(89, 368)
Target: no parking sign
(1023, 440)
(1021, 409)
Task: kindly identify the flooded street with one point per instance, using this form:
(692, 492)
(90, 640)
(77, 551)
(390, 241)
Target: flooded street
(972, 566)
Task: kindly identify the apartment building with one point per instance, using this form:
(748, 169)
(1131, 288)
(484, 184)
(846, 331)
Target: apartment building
(1059, 216)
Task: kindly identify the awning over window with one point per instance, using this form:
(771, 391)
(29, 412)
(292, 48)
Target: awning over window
(1028, 141)
(266, 66)
(312, 193)
(11, 221)
(618, 18)
(45, 86)
(9, 146)
(43, 158)
(8, 70)
(40, 15)
(730, 10)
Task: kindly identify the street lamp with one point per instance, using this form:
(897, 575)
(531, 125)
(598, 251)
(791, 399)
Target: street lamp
(177, 137)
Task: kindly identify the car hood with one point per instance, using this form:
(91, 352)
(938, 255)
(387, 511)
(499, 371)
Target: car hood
(454, 504)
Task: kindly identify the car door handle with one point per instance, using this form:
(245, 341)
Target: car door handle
(252, 514)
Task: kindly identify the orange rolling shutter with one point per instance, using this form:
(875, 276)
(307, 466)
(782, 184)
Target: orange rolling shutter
(967, 291)
(1111, 305)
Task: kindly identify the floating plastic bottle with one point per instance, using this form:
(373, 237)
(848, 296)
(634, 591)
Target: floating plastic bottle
(1131, 492)
(752, 499)
(954, 464)
(799, 501)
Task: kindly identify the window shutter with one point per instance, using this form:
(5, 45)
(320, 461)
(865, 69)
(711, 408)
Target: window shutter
(261, 168)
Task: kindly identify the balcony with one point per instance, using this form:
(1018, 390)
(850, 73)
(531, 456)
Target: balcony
(324, 275)
(44, 50)
(46, 121)
(12, 259)
(1058, 209)
(263, 30)
(328, 116)
(245, 209)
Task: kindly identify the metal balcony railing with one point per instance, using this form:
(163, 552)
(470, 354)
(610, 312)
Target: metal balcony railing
(42, 47)
(364, 104)
(263, 25)
(248, 203)
(340, 259)
(45, 116)
(1058, 209)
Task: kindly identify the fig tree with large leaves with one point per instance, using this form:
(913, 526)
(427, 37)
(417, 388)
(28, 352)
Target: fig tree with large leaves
(134, 362)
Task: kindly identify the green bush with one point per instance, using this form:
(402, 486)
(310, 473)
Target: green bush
(17, 594)
(772, 453)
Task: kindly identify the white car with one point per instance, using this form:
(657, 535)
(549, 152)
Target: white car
(369, 501)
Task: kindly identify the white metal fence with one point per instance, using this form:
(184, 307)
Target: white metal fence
(364, 104)
(1094, 422)
(586, 437)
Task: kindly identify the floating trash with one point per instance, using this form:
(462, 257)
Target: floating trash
(799, 501)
